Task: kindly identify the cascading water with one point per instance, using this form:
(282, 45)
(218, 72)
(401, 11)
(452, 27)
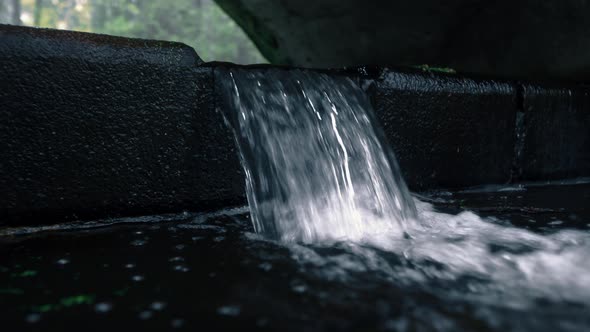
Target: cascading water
(318, 171)
(316, 167)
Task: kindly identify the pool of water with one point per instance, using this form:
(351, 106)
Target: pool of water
(190, 271)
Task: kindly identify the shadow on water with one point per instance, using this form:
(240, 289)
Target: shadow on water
(215, 271)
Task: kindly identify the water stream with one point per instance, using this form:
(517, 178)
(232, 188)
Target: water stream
(318, 171)
(315, 163)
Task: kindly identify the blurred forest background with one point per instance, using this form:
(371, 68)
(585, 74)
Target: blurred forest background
(198, 23)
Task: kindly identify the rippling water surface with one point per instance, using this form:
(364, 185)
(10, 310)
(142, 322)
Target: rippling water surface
(518, 267)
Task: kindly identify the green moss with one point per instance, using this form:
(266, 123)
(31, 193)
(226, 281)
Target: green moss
(25, 274)
(77, 300)
(45, 308)
(430, 69)
(65, 302)
(121, 292)
(11, 291)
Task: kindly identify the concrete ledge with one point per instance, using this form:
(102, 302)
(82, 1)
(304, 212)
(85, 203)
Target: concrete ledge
(96, 127)
(101, 127)
(447, 131)
(556, 132)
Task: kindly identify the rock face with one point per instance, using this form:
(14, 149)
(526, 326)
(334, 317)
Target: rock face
(510, 39)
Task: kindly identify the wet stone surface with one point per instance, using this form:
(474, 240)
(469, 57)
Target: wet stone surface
(215, 272)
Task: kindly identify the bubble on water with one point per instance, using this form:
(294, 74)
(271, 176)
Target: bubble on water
(180, 247)
(517, 263)
(265, 266)
(138, 243)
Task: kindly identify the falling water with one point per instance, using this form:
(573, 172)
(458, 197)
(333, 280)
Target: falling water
(318, 171)
(315, 164)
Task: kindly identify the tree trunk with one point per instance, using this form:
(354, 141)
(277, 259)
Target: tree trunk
(16, 12)
(98, 15)
(38, 10)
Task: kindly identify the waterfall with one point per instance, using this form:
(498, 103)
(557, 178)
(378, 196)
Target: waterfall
(318, 171)
(316, 164)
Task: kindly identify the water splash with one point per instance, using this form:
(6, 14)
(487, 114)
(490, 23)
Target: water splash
(317, 171)
(316, 168)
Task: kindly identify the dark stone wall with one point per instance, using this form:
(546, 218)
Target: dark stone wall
(447, 131)
(95, 126)
(556, 132)
(524, 39)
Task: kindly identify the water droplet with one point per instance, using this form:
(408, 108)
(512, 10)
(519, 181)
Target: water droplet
(33, 318)
(261, 322)
(63, 261)
(229, 310)
(138, 243)
(157, 306)
(137, 278)
(176, 259)
(181, 268)
(265, 266)
(176, 323)
(145, 315)
(103, 307)
(129, 266)
(179, 247)
(300, 288)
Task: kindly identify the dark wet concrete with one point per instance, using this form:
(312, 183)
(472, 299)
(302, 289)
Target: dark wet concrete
(97, 127)
(194, 272)
(450, 132)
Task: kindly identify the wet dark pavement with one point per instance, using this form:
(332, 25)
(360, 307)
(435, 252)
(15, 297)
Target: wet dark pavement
(191, 272)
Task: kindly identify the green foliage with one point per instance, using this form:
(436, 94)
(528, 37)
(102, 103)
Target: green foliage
(198, 23)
